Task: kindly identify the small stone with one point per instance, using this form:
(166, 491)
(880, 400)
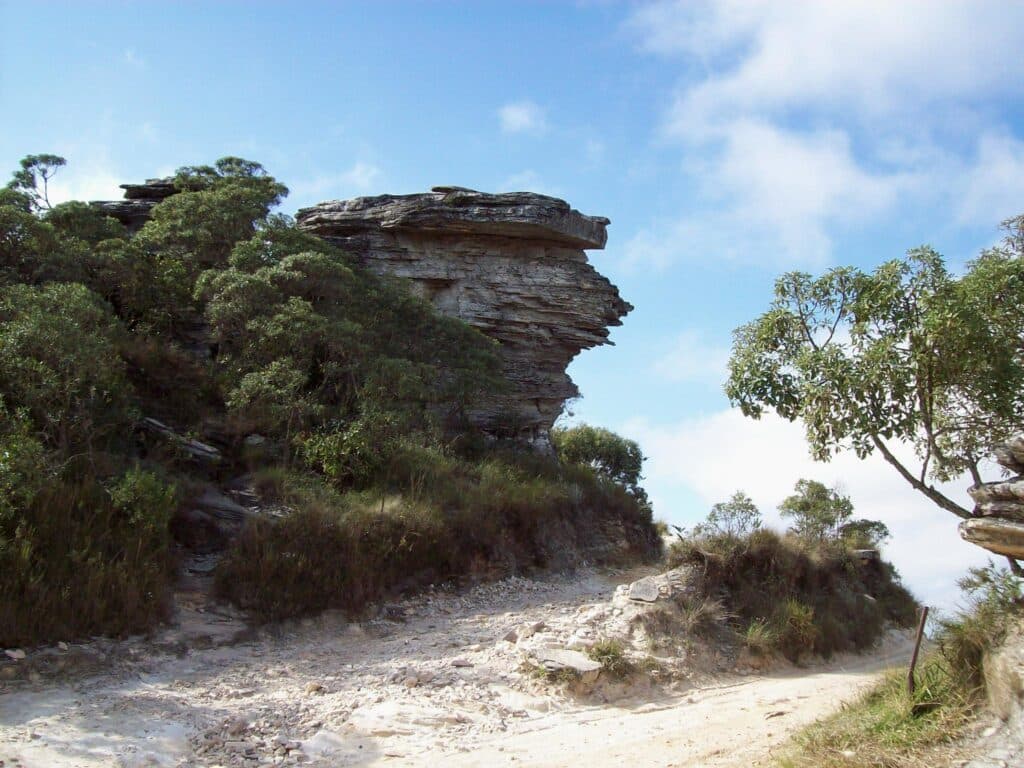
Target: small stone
(644, 590)
(411, 681)
(555, 659)
(62, 645)
(511, 636)
(314, 688)
(15, 653)
(461, 663)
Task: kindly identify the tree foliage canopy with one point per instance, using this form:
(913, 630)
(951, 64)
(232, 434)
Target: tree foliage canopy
(908, 353)
(734, 518)
(616, 457)
(821, 514)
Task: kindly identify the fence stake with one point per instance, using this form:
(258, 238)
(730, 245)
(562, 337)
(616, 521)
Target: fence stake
(911, 685)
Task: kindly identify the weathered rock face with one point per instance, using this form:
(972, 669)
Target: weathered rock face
(998, 524)
(512, 265)
(139, 200)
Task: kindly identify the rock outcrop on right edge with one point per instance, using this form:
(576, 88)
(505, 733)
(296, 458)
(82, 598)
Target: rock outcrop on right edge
(998, 522)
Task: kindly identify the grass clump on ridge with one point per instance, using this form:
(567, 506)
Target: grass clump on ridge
(83, 558)
(784, 594)
(439, 518)
(887, 727)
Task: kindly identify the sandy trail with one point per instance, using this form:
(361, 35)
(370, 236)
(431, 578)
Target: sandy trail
(433, 681)
(734, 723)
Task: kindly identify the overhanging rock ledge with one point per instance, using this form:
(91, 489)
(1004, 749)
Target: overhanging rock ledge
(511, 264)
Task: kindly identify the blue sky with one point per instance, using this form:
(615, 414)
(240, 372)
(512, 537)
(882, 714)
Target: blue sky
(727, 142)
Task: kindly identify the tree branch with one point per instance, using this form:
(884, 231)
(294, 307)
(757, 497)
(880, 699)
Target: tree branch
(943, 501)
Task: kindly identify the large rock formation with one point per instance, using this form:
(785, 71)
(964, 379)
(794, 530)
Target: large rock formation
(512, 265)
(998, 524)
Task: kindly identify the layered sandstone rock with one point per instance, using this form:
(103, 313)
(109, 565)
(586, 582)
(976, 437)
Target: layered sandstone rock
(139, 200)
(512, 265)
(998, 522)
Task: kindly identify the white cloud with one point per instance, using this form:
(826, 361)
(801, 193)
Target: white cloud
(808, 117)
(528, 181)
(522, 117)
(770, 197)
(362, 177)
(595, 151)
(713, 456)
(89, 175)
(874, 56)
(693, 358)
(130, 57)
(994, 187)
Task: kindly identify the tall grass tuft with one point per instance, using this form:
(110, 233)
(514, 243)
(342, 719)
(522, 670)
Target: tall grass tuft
(83, 558)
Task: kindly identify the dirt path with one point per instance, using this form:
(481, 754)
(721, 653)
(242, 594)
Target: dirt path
(436, 679)
(734, 723)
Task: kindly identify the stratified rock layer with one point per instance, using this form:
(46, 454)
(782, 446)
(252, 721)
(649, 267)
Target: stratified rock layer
(998, 522)
(512, 265)
(139, 200)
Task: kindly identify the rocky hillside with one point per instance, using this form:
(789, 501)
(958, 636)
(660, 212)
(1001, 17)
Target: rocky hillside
(293, 413)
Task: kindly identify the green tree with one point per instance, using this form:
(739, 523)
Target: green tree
(864, 534)
(33, 178)
(734, 518)
(60, 364)
(611, 455)
(906, 354)
(818, 512)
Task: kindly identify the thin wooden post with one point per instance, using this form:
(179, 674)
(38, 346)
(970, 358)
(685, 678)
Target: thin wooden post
(911, 684)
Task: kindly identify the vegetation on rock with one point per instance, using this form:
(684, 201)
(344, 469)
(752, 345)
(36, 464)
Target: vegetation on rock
(223, 321)
(803, 593)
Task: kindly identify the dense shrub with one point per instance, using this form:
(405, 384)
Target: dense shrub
(59, 362)
(804, 598)
(441, 518)
(80, 558)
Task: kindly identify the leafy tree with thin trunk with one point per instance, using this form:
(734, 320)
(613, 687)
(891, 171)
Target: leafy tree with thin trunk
(734, 518)
(909, 354)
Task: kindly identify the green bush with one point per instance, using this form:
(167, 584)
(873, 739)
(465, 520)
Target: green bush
(438, 518)
(806, 597)
(80, 559)
(59, 363)
(613, 659)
